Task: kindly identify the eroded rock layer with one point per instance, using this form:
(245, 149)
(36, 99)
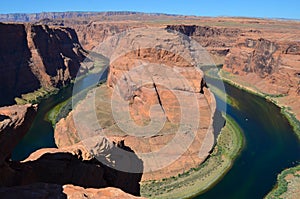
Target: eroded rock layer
(171, 96)
(269, 66)
(73, 165)
(15, 121)
(35, 56)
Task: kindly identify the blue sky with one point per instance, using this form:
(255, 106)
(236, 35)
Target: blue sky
(253, 8)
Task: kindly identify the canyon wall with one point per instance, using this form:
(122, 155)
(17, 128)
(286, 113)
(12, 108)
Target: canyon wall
(264, 58)
(94, 33)
(217, 41)
(36, 56)
(270, 66)
(15, 121)
(73, 165)
(171, 96)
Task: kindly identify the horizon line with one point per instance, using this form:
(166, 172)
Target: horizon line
(171, 14)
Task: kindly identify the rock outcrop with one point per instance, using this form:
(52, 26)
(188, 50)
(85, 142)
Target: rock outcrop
(161, 89)
(269, 66)
(94, 33)
(14, 124)
(216, 40)
(35, 56)
(73, 165)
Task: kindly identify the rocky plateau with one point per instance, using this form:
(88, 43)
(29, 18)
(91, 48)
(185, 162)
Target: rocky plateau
(263, 55)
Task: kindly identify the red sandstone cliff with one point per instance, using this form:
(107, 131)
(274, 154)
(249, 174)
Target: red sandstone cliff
(269, 66)
(35, 56)
(14, 124)
(162, 89)
(72, 165)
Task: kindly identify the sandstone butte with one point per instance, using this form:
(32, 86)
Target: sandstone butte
(161, 88)
(261, 53)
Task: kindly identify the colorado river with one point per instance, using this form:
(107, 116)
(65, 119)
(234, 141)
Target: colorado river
(41, 133)
(271, 144)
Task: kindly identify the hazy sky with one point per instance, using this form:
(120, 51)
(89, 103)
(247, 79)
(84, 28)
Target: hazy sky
(254, 8)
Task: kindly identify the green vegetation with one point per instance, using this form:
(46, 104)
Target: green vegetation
(197, 180)
(224, 97)
(288, 184)
(230, 79)
(36, 96)
(286, 111)
(62, 109)
(52, 115)
(292, 120)
(283, 189)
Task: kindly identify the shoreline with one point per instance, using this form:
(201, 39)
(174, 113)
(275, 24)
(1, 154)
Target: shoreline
(37, 96)
(285, 110)
(281, 186)
(200, 179)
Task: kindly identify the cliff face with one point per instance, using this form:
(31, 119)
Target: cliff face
(72, 165)
(15, 74)
(34, 56)
(274, 64)
(92, 34)
(270, 66)
(259, 56)
(162, 93)
(217, 41)
(14, 124)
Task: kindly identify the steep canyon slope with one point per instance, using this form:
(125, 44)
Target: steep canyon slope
(161, 94)
(53, 172)
(263, 55)
(36, 56)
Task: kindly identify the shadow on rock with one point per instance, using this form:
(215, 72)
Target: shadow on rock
(66, 168)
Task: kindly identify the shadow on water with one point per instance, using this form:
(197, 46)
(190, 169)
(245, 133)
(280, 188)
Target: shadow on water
(271, 146)
(41, 133)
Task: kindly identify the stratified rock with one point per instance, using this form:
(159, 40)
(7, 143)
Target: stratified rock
(92, 34)
(257, 56)
(74, 165)
(14, 124)
(270, 66)
(35, 56)
(162, 93)
(217, 41)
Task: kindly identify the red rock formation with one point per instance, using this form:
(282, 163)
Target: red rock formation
(14, 124)
(217, 41)
(57, 166)
(34, 56)
(92, 34)
(72, 165)
(269, 66)
(162, 89)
